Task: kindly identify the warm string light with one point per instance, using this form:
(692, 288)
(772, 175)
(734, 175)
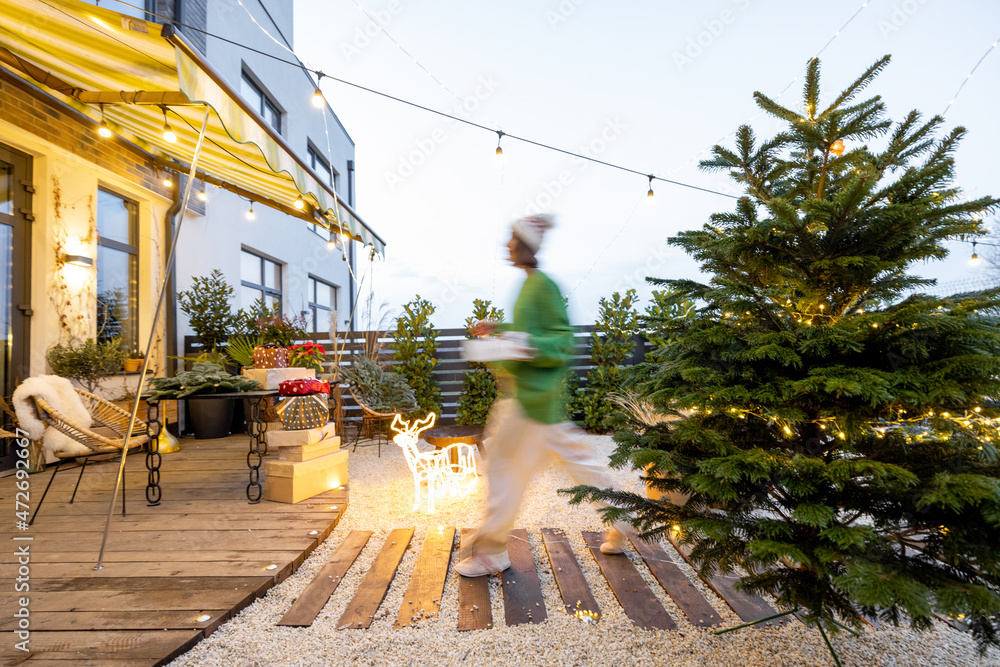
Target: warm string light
(300, 204)
(103, 128)
(250, 214)
(649, 194)
(168, 134)
(974, 260)
(969, 75)
(202, 195)
(167, 181)
(317, 99)
(499, 139)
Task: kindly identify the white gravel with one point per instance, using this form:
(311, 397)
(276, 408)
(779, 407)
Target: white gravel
(381, 499)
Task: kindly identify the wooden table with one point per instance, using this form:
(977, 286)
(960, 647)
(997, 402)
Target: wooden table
(444, 436)
(256, 427)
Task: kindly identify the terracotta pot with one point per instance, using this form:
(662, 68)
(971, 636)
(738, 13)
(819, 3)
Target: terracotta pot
(133, 365)
(270, 357)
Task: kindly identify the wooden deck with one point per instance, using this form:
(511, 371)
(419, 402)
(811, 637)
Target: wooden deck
(172, 574)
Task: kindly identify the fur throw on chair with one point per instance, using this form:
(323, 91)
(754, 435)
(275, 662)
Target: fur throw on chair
(59, 393)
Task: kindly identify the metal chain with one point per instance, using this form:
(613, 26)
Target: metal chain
(256, 427)
(153, 458)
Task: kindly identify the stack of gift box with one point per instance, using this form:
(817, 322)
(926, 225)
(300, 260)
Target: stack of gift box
(310, 460)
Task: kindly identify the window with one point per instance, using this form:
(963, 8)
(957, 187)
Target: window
(322, 168)
(261, 102)
(260, 279)
(322, 303)
(117, 269)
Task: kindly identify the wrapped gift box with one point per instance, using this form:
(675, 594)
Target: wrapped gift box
(280, 437)
(290, 482)
(270, 357)
(301, 412)
(315, 450)
(270, 378)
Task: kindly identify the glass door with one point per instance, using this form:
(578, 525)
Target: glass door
(15, 309)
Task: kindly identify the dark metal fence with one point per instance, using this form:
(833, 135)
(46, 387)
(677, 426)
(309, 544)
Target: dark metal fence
(450, 369)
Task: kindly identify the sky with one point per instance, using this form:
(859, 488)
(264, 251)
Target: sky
(648, 85)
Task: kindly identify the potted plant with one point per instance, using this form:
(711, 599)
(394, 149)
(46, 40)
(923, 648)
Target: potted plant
(208, 309)
(88, 362)
(307, 355)
(209, 419)
(133, 364)
(277, 332)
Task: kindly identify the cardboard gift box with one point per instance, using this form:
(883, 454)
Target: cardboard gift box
(299, 412)
(278, 436)
(270, 378)
(270, 357)
(315, 450)
(291, 482)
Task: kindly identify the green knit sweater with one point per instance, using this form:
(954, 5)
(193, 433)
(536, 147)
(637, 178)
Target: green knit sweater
(540, 312)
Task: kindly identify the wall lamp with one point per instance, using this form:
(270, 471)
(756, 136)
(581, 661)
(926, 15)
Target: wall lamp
(78, 260)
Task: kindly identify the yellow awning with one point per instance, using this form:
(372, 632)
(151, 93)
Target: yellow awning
(88, 56)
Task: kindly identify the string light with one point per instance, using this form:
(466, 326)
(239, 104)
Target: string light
(168, 134)
(974, 260)
(837, 147)
(650, 193)
(299, 204)
(969, 75)
(318, 100)
(103, 128)
(167, 181)
(499, 139)
(332, 242)
(250, 214)
(202, 195)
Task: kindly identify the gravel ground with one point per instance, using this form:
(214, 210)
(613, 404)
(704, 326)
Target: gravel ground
(381, 499)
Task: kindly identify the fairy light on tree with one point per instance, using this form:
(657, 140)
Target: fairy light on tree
(837, 419)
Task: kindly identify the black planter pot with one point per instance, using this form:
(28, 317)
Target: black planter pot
(211, 417)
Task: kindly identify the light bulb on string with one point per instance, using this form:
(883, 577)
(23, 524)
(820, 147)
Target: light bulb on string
(103, 128)
(974, 260)
(167, 181)
(168, 134)
(299, 204)
(332, 242)
(649, 194)
(202, 195)
(250, 214)
(317, 99)
(499, 139)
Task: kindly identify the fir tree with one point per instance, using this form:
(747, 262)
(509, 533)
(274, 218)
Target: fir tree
(479, 386)
(839, 440)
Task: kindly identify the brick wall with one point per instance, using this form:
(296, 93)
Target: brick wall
(49, 119)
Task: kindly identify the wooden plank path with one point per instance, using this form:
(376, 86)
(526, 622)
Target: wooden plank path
(423, 596)
(172, 574)
(361, 609)
(629, 587)
(474, 611)
(748, 606)
(699, 612)
(522, 594)
(573, 586)
(307, 606)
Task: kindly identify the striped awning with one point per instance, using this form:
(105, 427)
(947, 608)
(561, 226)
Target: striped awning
(90, 57)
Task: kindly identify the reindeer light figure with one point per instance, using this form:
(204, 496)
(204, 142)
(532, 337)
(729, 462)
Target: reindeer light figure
(434, 467)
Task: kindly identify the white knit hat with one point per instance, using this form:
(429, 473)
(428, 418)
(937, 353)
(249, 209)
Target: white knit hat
(530, 229)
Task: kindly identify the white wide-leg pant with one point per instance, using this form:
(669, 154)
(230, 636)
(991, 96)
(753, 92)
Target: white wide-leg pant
(516, 448)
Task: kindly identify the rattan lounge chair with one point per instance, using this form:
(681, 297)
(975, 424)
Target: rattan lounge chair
(372, 422)
(104, 414)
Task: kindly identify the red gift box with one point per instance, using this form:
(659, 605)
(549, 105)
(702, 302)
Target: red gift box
(303, 387)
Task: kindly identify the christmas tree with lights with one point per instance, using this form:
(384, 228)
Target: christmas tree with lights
(837, 429)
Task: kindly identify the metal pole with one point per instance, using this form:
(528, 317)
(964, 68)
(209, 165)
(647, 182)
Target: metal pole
(152, 333)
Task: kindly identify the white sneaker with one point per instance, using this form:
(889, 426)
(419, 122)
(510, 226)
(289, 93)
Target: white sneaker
(614, 542)
(483, 564)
